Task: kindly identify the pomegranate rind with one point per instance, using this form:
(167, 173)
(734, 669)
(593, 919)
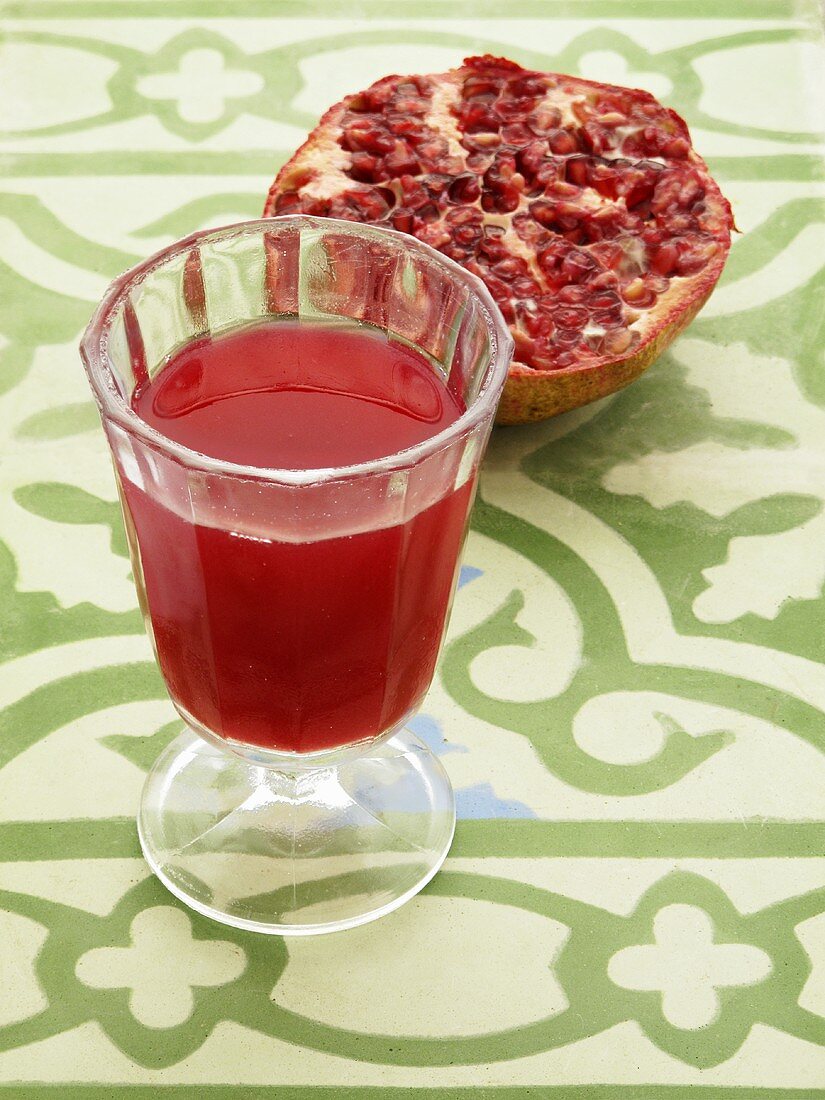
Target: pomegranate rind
(530, 395)
(317, 179)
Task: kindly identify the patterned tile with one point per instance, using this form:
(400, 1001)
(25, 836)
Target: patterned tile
(631, 699)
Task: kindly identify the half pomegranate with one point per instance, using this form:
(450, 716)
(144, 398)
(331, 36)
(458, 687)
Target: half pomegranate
(583, 207)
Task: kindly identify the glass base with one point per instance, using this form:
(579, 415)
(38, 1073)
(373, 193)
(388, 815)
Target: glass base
(296, 853)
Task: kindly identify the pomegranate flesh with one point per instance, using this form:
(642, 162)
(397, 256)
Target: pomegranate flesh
(583, 207)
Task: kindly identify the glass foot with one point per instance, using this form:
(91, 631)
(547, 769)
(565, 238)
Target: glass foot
(299, 853)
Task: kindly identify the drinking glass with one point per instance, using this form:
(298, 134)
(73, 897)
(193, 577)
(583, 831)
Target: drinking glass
(296, 799)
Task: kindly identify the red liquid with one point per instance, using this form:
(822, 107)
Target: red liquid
(297, 646)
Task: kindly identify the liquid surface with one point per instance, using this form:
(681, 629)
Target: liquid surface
(298, 646)
(296, 396)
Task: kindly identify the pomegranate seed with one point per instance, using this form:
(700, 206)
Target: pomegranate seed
(468, 235)
(526, 86)
(369, 205)
(536, 324)
(524, 346)
(598, 139)
(573, 294)
(648, 107)
(607, 299)
(515, 110)
(480, 85)
(605, 179)
(365, 167)
(563, 190)
(680, 223)
(477, 117)
(464, 188)
(436, 183)
(531, 156)
(412, 105)
(543, 326)
(401, 162)
(465, 215)
(525, 287)
(504, 200)
(644, 300)
(493, 250)
(608, 318)
(562, 142)
(665, 258)
(544, 119)
(694, 258)
(568, 215)
(550, 257)
(567, 337)
(516, 133)
(433, 233)
(510, 268)
(528, 230)
(341, 207)
(611, 120)
(288, 202)
(415, 195)
(507, 310)
(486, 98)
(501, 171)
(608, 253)
(544, 212)
(497, 288)
(577, 265)
(667, 193)
(365, 135)
(635, 292)
(603, 280)
(359, 205)
(378, 96)
(637, 188)
(409, 128)
(387, 195)
(605, 223)
(616, 343)
(402, 220)
(456, 251)
(577, 171)
(677, 148)
(433, 150)
(657, 283)
(467, 225)
(480, 143)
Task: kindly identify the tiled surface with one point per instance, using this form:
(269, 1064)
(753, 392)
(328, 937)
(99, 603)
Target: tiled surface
(631, 704)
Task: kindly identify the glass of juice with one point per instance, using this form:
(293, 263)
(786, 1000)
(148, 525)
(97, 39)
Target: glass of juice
(296, 410)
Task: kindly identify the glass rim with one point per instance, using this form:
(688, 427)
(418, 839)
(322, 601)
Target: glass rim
(113, 407)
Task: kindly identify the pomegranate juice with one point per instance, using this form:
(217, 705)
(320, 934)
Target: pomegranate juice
(297, 645)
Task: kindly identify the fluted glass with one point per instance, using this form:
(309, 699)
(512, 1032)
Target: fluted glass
(223, 554)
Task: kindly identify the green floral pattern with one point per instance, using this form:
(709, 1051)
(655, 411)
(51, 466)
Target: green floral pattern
(631, 700)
